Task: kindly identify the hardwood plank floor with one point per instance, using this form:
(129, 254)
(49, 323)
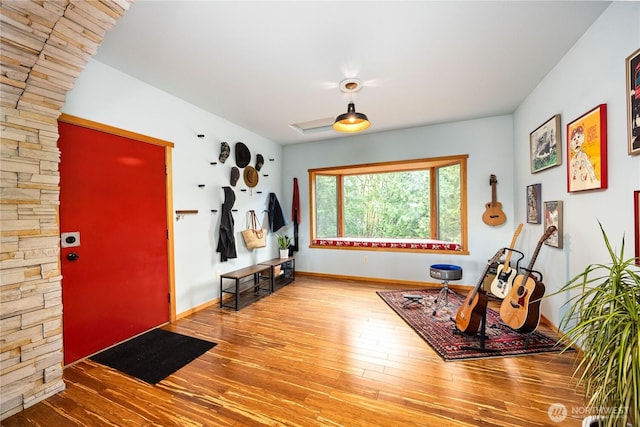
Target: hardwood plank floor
(318, 352)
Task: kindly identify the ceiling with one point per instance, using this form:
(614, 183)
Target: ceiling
(266, 65)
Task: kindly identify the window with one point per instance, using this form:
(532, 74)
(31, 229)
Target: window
(413, 205)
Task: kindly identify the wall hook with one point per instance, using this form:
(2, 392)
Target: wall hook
(181, 213)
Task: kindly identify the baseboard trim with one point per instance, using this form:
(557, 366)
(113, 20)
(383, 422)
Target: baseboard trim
(379, 280)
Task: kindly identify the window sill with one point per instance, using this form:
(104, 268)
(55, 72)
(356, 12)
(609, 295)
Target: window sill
(408, 245)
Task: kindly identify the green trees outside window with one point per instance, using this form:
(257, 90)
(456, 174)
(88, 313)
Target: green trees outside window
(417, 199)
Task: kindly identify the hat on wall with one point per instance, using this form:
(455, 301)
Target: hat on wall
(225, 150)
(243, 155)
(235, 175)
(259, 161)
(251, 176)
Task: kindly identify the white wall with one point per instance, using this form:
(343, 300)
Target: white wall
(489, 143)
(592, 73)
(107, 96)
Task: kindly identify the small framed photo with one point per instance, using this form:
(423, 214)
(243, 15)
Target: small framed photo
(633, 101)
(534, 208)
(553, 216)
(546, 145)
(587, 151)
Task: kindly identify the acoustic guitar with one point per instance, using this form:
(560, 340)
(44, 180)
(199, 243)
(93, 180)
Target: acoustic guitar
(520, 310)
(493, 214)
(472, 309)
(505, 275)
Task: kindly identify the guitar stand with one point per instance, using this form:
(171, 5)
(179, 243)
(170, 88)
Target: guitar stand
(483, 337)
(526, 340)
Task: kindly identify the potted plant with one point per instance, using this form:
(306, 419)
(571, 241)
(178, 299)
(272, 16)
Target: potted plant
(283, 245)
(603, 319)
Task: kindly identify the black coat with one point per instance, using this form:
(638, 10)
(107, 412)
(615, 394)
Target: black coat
(276, 216)
(227, 241)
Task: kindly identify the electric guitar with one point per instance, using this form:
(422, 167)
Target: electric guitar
(505, 275)
(520, 310)
(493, 214)
(470, 312)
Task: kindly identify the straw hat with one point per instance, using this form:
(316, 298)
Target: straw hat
(251, 176)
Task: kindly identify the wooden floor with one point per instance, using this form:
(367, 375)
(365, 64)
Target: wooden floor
(318, 352)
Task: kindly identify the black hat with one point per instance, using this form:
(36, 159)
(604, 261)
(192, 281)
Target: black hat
(251, 176)
(224, 152)
(243, 155)
(259, 161)
(235, 175)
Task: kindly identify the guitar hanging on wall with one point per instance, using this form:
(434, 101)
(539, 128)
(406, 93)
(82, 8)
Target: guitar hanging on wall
(493, 214)
(520, 310)
(505, 275)
(474, 306)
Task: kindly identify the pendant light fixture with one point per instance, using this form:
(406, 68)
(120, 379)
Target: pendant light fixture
(351, 121)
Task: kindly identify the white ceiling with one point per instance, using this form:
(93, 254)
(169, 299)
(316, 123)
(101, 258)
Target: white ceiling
(266, 65)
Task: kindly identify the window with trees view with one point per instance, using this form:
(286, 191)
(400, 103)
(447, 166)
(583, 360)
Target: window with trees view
(408, 201)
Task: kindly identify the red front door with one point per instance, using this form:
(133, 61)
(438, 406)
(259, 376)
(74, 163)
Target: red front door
(115, 282)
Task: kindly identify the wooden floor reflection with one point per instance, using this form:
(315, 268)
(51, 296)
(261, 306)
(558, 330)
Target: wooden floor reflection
(318, 352)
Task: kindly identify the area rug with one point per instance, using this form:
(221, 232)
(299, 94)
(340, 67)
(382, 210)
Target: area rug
(438, 330)
(154, 355)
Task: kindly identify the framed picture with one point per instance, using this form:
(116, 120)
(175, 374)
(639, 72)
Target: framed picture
(534, 208)
(587, 151)
(553, 216)
(633, 101)
(546, 145)
(636, 221)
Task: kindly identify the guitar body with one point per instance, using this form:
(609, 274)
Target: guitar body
(493, 214)
(503, 282)
(470, 312)
(520, 310)
(474, 307)
(505, 275)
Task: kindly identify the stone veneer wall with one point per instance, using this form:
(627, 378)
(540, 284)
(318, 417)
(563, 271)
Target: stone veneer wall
(45, 45)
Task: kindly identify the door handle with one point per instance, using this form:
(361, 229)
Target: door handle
(72, 256)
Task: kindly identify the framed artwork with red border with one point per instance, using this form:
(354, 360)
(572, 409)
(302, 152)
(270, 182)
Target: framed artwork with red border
(587, 151)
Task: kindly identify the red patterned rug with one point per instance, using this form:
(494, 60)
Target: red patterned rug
(438, 330)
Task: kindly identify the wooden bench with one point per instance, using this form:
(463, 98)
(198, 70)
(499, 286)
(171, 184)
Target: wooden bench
(289, 270)
(255, 270)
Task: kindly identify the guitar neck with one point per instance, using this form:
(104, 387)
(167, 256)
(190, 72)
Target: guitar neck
(492, 182)
(546, 235)
(513, 243)
(484, 273)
